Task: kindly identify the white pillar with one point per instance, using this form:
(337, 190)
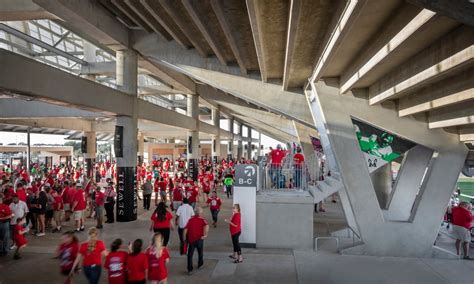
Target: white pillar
(216, 139)
(249, 143)
(193, 136)
(230, 144)
(126, 79)
(89, 56)
(259, 149)
(240, 147)
(28, 150)
(141, 147)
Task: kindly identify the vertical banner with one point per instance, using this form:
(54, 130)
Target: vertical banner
(118, 141)
(84, 145)
(193, 169)
(190, 145)
(214, 160)
(126, 194)
(214, 145)
(245, 194)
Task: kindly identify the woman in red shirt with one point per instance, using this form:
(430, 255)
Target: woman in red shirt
(91, 252)
(67, 253)
(234, 226)
(158, 257)
(161, 222)
(115, 263)
(137, 263)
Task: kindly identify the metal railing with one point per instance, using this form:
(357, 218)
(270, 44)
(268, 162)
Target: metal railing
(284, 177)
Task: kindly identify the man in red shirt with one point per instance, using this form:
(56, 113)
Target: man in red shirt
(195, 232)
(5, 216)
(99, 206)
(21, 192)
(78, 206)
(276, 157)
(214, 204)
(298, 161)
(462, 219)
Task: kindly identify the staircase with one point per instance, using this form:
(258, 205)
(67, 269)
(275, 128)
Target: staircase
(324, 189)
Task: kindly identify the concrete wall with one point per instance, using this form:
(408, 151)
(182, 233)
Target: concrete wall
(285, 220)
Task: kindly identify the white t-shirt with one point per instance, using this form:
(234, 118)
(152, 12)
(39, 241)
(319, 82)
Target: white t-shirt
(18, 210)
(185, 212)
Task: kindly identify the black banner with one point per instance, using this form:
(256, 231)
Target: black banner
(84, 145)
(214, 145)
(190, 145)
(193, 169)
(118, 141)
(89, 168)
(126, 194)
(214, 160)
(229, 157)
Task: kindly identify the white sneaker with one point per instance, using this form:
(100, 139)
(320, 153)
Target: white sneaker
(40, 234)
(12, 247)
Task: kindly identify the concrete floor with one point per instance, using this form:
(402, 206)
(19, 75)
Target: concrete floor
(259, 266)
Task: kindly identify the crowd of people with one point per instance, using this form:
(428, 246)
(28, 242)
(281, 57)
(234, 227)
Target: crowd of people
(47, 199)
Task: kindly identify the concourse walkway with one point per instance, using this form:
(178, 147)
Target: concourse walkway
(259, 266)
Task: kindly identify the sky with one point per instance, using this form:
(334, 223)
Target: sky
(15, 137)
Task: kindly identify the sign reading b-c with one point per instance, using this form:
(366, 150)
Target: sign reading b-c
(246, 175)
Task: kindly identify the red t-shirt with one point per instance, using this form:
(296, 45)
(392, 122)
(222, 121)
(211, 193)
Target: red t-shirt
(298, 159)
(277, 156)
(136, 267)
(195, 228)
(157, 224)
(4, 211)
(58, 203)
(236, 221)
(177, 194)
(462, 217)
(67, 255)
(81, 201)
(214, 203)
(162, 185)
(157, 266)
(115, 263)
(21, 194)
(99, 198)
(192, 194)
(94, 257)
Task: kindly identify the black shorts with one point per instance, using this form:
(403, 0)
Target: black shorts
(49, 214)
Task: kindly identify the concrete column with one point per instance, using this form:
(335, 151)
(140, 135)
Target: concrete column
(382, 181)
(249, 143)
(127, 126)
(90, 154)
(216, 139)
(259, 149)
(230, 144)
(141, 147)
(28, 150)
(240, 147)
(89, 56)
(193, 137)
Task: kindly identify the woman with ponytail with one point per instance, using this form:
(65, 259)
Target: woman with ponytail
(158, 257)
(90, 253)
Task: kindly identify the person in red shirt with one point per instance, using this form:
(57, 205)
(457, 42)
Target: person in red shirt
(5, 216)
(91, 253)
(462, 219)
(137, 263)
(58, 207)
(67, 253)
(191, 193)
(20, 192)
(214, 204)
(298, 161)
(158, 257)
(68, 198)
(206, 186)
(162, 184)
(78, 206)
(18, 237)
(177, 197)
(276, 157)
(235, 229)
(115, 263)
(195, 232)
(161, 222)
(99, 206)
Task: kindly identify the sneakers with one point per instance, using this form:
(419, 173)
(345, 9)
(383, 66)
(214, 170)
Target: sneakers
(12, 247)
(40, 234)
(82, 228)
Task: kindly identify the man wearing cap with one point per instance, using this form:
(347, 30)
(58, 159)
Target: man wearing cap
(276, 157)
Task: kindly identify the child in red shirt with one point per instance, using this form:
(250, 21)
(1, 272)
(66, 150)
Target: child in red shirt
(158, 257)
(115, 263)
(137, 263)
(18, 237)
(67, 253)
(214, 204)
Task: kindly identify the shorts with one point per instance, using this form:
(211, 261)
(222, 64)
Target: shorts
(67, 207)
(461, 233)
(163, 194)
(49, 214)
(99, 210)
(176, 204)
(58, 215)
(78, 215)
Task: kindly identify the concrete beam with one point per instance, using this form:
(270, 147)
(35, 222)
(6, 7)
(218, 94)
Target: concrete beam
(452, 90)
(145, 14)
(131, 14)
(17, 108)
(200, 24)
(65, 123)
(295, 14)
(453, 115)
(22, 10)
(357, 70)
(451, 53)
(466, 133)
(342, 28)
(253, 10)
(459, 10)
(218, 10)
